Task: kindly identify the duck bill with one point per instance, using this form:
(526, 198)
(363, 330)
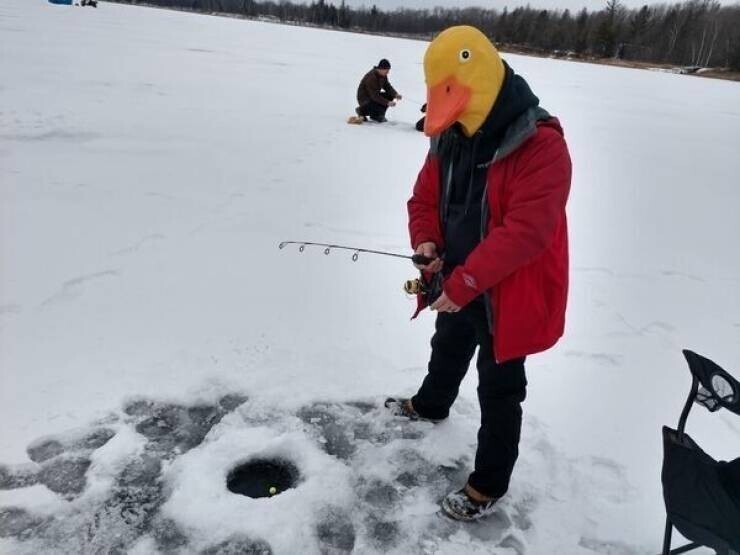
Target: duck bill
(446, 102)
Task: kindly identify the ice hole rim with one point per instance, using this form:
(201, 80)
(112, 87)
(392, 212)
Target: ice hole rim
(255, 477)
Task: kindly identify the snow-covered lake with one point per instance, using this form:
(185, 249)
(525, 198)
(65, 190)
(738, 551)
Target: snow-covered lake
(151, 162)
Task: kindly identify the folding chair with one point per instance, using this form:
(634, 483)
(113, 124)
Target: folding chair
(702, 496)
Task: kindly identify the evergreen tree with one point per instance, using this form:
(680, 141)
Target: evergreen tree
(691, 32)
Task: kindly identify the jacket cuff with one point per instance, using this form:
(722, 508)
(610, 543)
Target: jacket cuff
(461, 287)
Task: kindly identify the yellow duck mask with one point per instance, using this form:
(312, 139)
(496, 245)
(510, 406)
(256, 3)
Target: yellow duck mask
(464, 75)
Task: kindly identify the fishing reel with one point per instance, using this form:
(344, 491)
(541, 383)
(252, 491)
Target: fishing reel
(431, 290)
(415, 287)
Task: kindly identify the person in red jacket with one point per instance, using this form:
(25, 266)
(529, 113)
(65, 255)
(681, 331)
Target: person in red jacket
(489, 208)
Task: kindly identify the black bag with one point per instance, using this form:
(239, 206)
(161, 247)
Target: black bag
(702, 496)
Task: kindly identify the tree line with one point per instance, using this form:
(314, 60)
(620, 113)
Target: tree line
(698, 33)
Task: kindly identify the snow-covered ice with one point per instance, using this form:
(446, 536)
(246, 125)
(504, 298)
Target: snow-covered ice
(152, 336)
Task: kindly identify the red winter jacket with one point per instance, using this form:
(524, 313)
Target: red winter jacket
(521, 263)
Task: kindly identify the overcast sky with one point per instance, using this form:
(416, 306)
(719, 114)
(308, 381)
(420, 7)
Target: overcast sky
(545, 4)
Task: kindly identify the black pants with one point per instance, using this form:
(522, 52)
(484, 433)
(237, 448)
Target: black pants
(375, 110)
(501, 390)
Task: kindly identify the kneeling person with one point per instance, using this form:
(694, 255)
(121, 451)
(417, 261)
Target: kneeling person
(375, 93)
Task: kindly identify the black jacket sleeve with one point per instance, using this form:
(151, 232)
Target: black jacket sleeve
(389, 88)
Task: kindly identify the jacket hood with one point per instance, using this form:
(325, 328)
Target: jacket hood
(515, 98)
(512, 120)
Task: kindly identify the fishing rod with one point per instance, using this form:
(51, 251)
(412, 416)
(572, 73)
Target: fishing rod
(419, 259)
(412, 286)
(414, 101)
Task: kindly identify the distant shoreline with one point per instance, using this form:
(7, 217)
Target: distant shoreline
(711, 73)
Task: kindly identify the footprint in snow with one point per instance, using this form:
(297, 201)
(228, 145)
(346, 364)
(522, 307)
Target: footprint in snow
(114, 497)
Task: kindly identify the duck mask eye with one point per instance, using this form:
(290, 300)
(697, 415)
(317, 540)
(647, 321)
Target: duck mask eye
(465, 55)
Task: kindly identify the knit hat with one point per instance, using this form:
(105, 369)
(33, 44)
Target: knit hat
(383, 64)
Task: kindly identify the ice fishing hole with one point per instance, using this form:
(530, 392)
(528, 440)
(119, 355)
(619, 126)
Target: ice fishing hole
(262, 478)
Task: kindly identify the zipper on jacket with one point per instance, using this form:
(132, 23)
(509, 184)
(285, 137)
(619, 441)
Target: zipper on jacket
(446, 192)
(471, 177)
(483, 227)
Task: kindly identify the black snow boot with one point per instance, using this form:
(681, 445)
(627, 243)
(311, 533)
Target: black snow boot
(404, 409)
(458, 505)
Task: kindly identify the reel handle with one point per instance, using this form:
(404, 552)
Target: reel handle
(422, 260)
